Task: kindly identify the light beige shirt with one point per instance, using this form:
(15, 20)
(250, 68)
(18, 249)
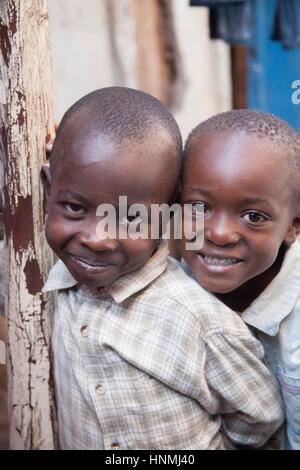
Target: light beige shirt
(275, 316)
(156, 362)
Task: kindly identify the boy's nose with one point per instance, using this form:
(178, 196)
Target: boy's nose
(221, 231)
(95, 243)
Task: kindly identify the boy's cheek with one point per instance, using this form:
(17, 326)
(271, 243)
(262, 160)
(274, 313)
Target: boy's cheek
(55, 232)
(49, 234)
(180, 246)
(187, 231)
(140, 248)
(137, 252)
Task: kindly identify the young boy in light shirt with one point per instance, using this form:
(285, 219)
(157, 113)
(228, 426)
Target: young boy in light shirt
(142, 358)
(243, 168)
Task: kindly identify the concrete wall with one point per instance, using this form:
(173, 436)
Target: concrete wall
(94, 45)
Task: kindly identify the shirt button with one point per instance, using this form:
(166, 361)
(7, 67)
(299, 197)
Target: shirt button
(100, 389)
(115, 446)
(84, 331)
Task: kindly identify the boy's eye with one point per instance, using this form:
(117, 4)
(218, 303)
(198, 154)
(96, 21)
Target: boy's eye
(74, 209)
(131, 218)
(254, 217)
(199, 208)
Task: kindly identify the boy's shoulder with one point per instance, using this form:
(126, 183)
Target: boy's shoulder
(280, 300)
(289, 274)
(183, 295)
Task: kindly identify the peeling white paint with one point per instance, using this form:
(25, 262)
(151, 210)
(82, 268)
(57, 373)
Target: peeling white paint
(2, 352)
(26, 113)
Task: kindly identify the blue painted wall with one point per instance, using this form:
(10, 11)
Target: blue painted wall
(272, 69)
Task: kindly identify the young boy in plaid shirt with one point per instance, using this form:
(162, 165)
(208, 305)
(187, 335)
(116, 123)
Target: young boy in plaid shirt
(242, 168)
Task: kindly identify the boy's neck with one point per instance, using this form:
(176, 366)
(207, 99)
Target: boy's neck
(239, 299)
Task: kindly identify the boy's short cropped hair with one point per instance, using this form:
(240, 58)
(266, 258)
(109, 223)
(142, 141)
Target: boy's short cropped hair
(122, 113)
(262, 125)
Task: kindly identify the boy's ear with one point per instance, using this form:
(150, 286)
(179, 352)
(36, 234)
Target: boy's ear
(293, 231)
(46, 180)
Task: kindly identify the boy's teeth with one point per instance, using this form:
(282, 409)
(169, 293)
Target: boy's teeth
(211, 260)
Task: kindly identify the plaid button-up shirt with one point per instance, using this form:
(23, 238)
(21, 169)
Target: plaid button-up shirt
(155, 362)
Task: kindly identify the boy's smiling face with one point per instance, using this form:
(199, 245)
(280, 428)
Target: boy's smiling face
(87, 173)
(244, 184)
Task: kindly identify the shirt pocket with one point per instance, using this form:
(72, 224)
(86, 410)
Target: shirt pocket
(290, 389)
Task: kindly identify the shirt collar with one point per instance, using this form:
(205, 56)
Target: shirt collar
(280, 296)
(60, 278)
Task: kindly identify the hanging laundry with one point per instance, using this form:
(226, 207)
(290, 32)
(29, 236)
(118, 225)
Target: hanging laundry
(210, 3)
(232, 20)
(229, 20)
(287, 23)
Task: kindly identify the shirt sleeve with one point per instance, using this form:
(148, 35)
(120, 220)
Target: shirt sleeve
(239, 386)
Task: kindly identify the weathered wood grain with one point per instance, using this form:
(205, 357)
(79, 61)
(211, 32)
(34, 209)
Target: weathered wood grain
(26, 117)
(157, 54)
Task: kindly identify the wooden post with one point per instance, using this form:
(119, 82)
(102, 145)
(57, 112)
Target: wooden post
(26, 118)
(239, 76)
(157, 55)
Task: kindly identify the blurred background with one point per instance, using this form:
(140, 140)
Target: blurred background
(159, 46)
(198, 57)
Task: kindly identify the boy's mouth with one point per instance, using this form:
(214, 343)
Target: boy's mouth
(91, 265)
(218, 263)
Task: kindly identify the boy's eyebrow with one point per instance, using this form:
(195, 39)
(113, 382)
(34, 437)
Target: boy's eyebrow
(254, 200)
(248, 200)
(199, 190)
(72, 194)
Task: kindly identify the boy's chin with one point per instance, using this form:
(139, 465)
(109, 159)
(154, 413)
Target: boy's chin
(93, 281)
(224, 290)
(217, 287)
